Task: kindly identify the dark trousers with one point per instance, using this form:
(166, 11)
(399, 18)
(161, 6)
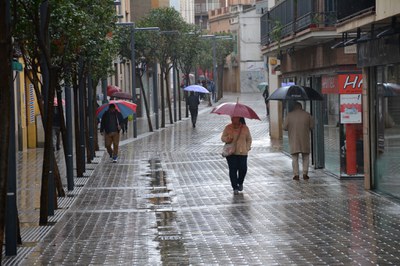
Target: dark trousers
(193, 115)
(237, 169)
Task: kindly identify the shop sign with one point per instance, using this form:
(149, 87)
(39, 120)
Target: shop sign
(329, 85)
(350, 83)
(350, 109)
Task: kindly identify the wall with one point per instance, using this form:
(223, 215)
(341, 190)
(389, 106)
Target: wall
(387, 8)
(316, 57)
(252, 69)
(251, 74)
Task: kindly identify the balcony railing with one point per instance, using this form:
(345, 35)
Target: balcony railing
(281, 21)
(347, 9)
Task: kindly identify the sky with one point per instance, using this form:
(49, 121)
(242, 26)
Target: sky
(175, 4)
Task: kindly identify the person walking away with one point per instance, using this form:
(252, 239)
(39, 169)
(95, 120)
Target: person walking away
(110, 126)
(193, 102)
(238, 133)
(266, 95)
(212, 90)
(56, 128)
(299, 123)
(124, 125)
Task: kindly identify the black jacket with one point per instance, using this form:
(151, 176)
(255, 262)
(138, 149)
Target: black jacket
(109, 124)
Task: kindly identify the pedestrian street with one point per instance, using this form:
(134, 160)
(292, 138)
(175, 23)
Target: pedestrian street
(168, 201)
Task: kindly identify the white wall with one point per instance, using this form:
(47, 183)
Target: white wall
(252, 67)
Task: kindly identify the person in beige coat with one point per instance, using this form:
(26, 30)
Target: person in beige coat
(239, 133)
(299, 123)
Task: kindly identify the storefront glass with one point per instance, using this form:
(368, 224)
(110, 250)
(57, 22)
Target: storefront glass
(331, 133)
(387, 142)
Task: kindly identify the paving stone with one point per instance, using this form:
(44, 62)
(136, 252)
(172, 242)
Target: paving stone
(168, 201)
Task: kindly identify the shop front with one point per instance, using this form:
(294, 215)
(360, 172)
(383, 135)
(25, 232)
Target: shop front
(381, 61)
(343, 138)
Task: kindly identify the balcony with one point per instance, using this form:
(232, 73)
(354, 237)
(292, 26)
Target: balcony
(293, 19)
(348, 9)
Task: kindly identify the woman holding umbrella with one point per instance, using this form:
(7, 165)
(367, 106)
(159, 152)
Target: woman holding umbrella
(237, 133)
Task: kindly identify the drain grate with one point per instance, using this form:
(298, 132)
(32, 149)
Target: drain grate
(16, 260)
(88, 172)
(66, 202)
(81, 181)
(57, 216)
(34, 234)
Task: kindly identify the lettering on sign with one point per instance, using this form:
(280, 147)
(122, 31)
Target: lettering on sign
(350, 83)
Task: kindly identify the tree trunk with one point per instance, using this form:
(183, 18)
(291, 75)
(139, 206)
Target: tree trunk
(5, 108)
(48, 156)
(220, 72)
(146, 105)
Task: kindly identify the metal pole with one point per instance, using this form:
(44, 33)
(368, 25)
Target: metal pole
(133, 63)
(68, 114)
(91, 114)
(81, 116)
(215, 69)
(174, 89)
(155, 92)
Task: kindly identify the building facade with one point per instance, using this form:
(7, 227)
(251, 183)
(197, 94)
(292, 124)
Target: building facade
(297, 39)
(245, 66)
(349, 51)
(375, 25)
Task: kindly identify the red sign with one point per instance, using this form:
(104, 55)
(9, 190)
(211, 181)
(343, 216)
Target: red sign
(329, 85)
(350, 83)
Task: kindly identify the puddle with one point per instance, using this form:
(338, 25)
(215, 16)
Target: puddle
(170, 243)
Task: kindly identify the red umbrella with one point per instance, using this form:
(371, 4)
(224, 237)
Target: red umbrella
(235, 110)
(111, 89)
(122, 95)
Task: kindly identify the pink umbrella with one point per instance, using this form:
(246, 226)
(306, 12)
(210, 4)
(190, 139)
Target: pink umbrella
(122, 95)
(235, 110)
(111, 89)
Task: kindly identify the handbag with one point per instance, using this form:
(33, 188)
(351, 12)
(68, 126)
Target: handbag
(228, 149)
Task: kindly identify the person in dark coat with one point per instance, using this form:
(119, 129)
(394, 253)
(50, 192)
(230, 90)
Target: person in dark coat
(266, 95)
(110, 126)
(193, 102)
(299, 123)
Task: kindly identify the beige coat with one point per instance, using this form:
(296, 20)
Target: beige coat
(243, 143)
(298, 123)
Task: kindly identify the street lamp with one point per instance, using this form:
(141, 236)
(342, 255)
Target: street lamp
(133, 62)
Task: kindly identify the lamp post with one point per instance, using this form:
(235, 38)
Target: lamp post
(133, 62)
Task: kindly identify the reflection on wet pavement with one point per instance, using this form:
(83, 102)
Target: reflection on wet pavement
(168, 201)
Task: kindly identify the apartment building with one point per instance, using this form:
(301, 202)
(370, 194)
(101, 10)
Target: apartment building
(349, 51)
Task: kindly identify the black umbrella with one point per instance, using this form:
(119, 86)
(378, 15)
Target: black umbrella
(295, 93)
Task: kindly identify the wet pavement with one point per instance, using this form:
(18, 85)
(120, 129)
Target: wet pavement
(168, 201)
